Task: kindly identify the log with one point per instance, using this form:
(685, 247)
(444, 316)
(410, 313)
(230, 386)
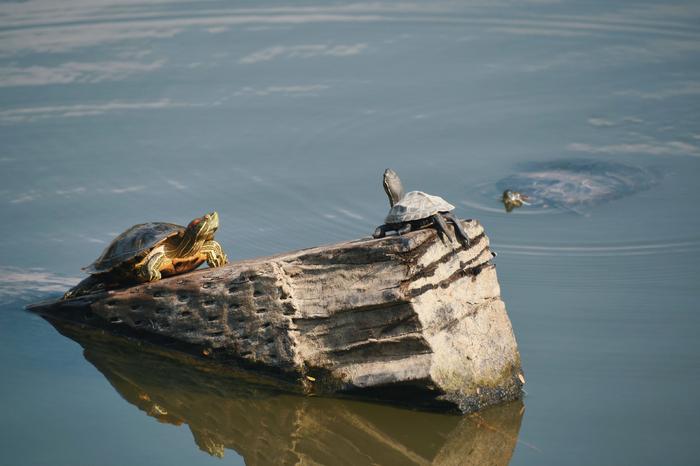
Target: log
(409, 319)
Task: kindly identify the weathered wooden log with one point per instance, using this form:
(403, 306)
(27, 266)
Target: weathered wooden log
(409, 317)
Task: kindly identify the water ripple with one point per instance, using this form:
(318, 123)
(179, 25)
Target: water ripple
(602, 250)
(20, 284)
(27, 27)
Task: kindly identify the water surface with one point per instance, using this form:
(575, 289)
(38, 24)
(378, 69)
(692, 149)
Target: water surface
(282, 117)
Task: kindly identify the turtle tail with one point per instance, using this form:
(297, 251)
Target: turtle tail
(89, 285)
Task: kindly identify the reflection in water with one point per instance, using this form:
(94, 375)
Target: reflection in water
(266, 426)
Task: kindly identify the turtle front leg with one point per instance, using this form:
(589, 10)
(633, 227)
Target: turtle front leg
(215, 254)
(381, 230)
(149, 269)
(441, 227)
(404, 229)
(459, 229)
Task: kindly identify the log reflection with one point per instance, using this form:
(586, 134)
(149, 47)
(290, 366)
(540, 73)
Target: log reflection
(269, 427)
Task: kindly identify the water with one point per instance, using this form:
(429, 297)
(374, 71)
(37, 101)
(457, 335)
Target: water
(282, 117)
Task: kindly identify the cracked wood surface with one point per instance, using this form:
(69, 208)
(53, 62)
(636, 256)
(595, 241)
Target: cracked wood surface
(367, 316)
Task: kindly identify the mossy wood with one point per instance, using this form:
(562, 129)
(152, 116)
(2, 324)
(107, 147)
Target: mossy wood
(404, 318)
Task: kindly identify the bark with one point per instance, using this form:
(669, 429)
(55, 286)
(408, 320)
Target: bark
(409, 319)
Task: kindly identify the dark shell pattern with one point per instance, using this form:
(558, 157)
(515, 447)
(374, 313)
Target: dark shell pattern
(575, 183)
(135, 242)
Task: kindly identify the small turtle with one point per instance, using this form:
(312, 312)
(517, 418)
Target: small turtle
(513, 199)
(577, 183)
(415, 210)
(148, 251)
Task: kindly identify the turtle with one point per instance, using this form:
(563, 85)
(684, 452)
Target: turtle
(415, 210)
(148, 251)
(513, 199)
(575, 183)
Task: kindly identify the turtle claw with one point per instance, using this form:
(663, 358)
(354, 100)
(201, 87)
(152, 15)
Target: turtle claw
(460, 234)
(150, 275)
(218, 261)
(404, 229)
(442, 230)
(216, 257)
(150, 270)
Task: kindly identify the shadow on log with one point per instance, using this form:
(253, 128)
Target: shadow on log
(407, 319)
(267, 426)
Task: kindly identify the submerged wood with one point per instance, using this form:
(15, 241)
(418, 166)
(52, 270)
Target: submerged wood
(408, 318)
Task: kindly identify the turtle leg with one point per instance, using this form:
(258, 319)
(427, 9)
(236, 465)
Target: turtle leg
(149, 270)
(459, 229)
(89, 285)
(216, 257)
(404, 229)
(441, 227)
(381, 230)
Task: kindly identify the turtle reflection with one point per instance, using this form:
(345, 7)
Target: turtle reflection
(266, 426)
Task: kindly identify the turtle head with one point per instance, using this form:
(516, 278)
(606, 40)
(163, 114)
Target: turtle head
(204, 227)
(512, 199)
(392, 186)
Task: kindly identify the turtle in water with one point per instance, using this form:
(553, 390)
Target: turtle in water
(513, 199)
(148, 251)
(415, 210)
(572, 184)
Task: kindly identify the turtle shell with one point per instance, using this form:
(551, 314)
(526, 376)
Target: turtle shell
(135, 242)
(417, 205)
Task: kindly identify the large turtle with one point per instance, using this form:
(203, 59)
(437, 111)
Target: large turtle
(415, 210)
(573, 184)
(148, 251)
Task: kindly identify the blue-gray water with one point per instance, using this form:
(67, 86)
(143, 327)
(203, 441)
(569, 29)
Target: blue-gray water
(282, 117)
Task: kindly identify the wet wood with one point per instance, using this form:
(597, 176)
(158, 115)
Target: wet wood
(400, 317)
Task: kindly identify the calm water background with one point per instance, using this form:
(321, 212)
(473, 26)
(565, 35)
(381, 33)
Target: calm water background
(283, 116)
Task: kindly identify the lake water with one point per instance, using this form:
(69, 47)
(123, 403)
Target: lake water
(282, 117)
